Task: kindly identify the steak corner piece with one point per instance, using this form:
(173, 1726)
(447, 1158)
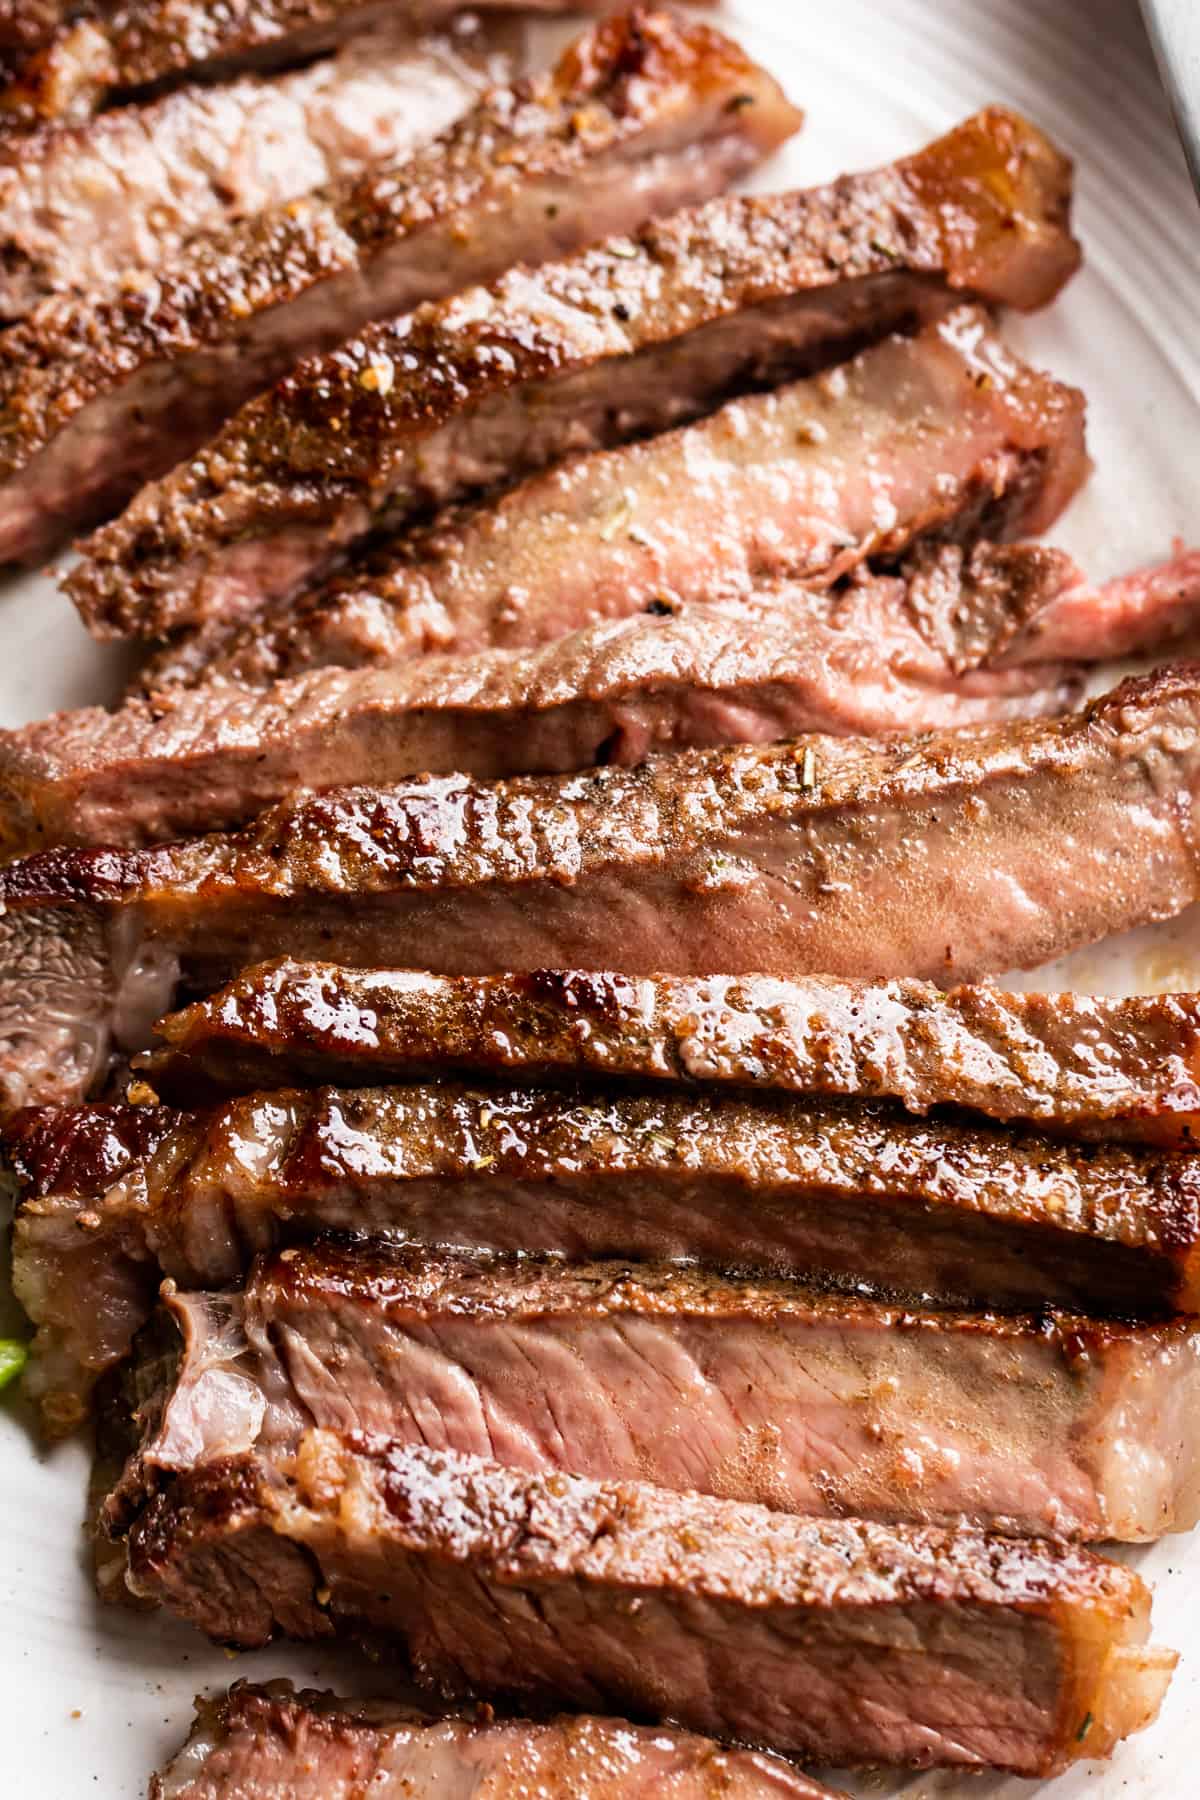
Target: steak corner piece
(941, 856)
(1049, 1424)
(1080, 1064)
(642, 114)
(257, 1741)
(634, 336)
(845, 1642)
(969, 1215)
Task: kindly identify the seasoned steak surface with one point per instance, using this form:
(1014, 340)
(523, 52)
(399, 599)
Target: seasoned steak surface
(245, 1742)
(752, 1389)
(1081, 1064)
(837, 1640)
(786, 662)
(68, 60)
(973, 1215)
(83, 208)
(633, 336)
(156, 368)
(917, 448)
(862, 858)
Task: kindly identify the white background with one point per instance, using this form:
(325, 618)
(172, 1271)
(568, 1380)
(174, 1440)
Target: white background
(91, 1699)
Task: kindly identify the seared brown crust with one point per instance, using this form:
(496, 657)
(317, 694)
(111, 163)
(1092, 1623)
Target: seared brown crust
(1039, 1424)
(84, 208)
(431, 1545)
(418, 1286)
(974, 1215)
(1034, 1058)
(82, 1150)
(444, 835)
(158, 366)
(967, 442)
(332, 450)
(862, 858)
(69, 58)
(214, 757)
(250, 1738)
(447, 834)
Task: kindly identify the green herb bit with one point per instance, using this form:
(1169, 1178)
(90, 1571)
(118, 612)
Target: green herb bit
(13, 1357)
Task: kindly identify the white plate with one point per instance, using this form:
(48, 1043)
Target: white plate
(90, 1700)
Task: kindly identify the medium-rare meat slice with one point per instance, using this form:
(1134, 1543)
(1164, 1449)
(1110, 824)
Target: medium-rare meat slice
(82, 208)
(766, 1391)
(255, 1742)
(212, 757)
(841, 1640)
(969, 1214)
(68, 61)
(982, 603)
(642, 114)
(1080, 1064)
(946, 436)
(636, 335)
(942, 856)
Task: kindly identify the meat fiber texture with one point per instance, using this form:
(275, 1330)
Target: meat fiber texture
(942, 856)
(65, 61)
(114, 1198)
(631, 337)
(255, 1741)
(638, 116)
(84, 207)
(963, 441)
(837, 1640)
(759, 1390)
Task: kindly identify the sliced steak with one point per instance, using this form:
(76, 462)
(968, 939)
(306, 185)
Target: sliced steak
(840, 1640)
(635, 336)
(643, 113)
(942, 856)
(68, 61)
(764, 1391)
(1150, 611)
(255, 1742)
(946, 436)
(212, 757)
(1078, 1064)
(972, 1215)
(83, 208)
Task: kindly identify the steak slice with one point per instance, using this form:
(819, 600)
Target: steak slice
(942, 856)
(1078, 1064)
(946, 436)
(94, 399)
(68, 61)
(840, 1640)
(210, 758)
(763, 1391)
(972, 1215)
(83, 207)
(634, 336)
(254, 1742)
